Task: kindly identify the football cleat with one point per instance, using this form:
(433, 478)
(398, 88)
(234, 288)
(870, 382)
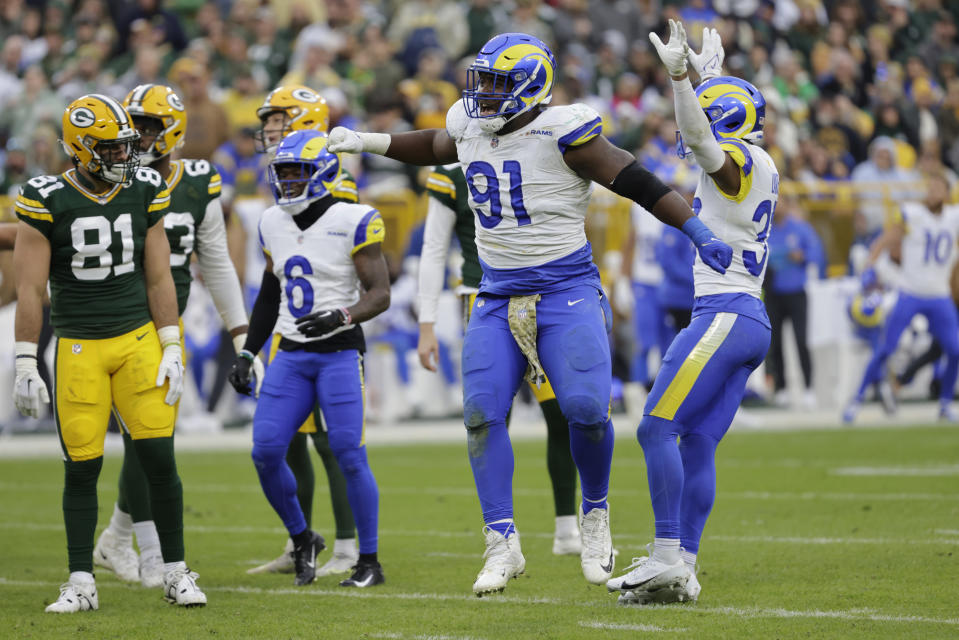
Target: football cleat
(688, 592)
(304, 559)
(151, 571)
(567, 545)
(365, 574)
(179, 588)
(887, 397)
(504, 560)
(117, 556)
(647, 574)
(75, 597)
(281, 564)
(342, 560)
(596, 556)
(946, 413)
(850, 412)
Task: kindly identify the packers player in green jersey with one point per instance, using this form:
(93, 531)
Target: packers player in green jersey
(448, 213)
(286, 109)
(95, 233)
(194, 226)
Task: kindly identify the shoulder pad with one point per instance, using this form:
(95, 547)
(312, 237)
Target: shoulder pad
(457, 120)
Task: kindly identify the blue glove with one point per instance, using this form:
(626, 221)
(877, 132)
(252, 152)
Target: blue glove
(869, 279)
(713, 251)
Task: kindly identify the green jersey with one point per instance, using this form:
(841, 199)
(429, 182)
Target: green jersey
(194, 184)
(97, 283)
(448, 185)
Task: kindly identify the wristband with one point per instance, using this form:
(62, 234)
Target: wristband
(697, 231)
(347, 318)
(246, 355)
(169, 335)
(25, 349)
(375, 142)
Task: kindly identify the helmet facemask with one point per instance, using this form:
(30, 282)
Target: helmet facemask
(114, 161)
(149, 126)
(297, 184)
(267, 139)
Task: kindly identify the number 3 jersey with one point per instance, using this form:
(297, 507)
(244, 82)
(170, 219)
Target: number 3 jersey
(529, 205)
(97, 285)
(928, 249)
(315, 265)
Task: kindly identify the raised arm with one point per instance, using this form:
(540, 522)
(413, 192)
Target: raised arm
(423, 148)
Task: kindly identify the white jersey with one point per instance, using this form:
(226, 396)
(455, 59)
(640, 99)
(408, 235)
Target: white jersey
(648, 229)
(740, 221)
(928, 250)
(530, 206)
(315, 265)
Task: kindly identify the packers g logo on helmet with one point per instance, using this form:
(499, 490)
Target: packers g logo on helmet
(98, 135)
(303, 170)
(303, 110)
(160, 102)
(512, 73)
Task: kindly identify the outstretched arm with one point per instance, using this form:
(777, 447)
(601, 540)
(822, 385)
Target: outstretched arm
(423, 148)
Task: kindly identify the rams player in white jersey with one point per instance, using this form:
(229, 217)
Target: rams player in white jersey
(924, 237)
(325, 273)
(704, 373)
(541, 308)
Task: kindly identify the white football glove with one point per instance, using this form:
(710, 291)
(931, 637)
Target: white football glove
(623, 298)
(29, 390)
(708, 63)
(343, 140)
(258, 370)
(673, 53)
(171, 365)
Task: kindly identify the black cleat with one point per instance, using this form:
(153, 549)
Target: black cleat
(304, 559)
(365, 574)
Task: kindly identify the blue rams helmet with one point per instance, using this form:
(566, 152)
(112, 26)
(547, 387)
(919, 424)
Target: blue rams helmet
(734, 107)
(303, 169)
(866, 310)
(512, 73)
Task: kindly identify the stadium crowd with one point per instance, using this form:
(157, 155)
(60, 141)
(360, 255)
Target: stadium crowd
(857, 93)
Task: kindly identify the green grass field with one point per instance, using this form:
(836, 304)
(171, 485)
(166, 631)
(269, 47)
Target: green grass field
(832, 534)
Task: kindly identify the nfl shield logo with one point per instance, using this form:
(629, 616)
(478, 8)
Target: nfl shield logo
(77, 348)
(494, 143)
(481, 303)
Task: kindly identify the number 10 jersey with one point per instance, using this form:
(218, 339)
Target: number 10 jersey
(97, 284)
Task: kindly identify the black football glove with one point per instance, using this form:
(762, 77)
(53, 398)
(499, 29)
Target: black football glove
(241, 375)
(320, 323)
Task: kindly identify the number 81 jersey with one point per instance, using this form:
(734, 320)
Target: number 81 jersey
(97, 285)
(742, 221)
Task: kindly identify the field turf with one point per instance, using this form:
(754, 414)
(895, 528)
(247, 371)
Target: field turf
(815, 534)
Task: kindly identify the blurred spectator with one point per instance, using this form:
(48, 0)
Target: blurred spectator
(15, 170)
(315, 68)
(163, 23)
(427, 94)
(208, 127)
(622, 17)
(881, 168)
(526, 18)
(270, 50)
(147, 63)
(675, 253)
(484, 18)
(82, 76)
(382, 174)
(422, 24)
(34, 104)
(10, 56)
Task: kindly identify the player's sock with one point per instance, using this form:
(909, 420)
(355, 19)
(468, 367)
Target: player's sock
(566, 526)
(81, 577)
(368, 558)
(166, 494)
(559, 460)
(298, 459)
(121, 525)
(148, 541)
(491, 459)
(664, 472)
(689, 559)
(279, 485)
(80, 510)
(179, 565)
(504, 527)
(666, 550)
(342, 514)
(698, 452)
(134, 490)
(363, 495)
(592, 449)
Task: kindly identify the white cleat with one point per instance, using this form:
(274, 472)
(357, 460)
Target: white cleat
(504, 560)
(596, 556)
(567, 545)
(151, 571)
(338, 563)
(887, 398)
(851, 411)
(946, 413)
(282, 564)
(179, 588)
(688, 592)
(646, 574)
(75, 597)
(117, 556)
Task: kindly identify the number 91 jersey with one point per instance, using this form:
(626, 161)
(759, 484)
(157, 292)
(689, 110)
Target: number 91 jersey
(742, 221)
(97, 285)
(529, 205)
(315, 265)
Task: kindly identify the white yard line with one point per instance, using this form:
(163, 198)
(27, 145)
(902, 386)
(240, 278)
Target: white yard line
(610, 626)
(897, 471)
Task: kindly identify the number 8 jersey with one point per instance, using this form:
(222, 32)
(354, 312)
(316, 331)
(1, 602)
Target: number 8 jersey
(742, 221)
(97, 284)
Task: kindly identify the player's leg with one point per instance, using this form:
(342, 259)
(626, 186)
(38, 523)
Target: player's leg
(493, 367)
(286, 400)
(562, 471)
(141, 408)
(81, 408)
(339, 389)
(345, 553)
(944, 326)
(574, 349)
(798, 316)
(775, 307)
(646, 327)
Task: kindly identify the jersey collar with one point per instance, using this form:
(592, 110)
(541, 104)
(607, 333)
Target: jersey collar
(99, 198)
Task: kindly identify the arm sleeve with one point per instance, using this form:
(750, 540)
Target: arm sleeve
(160, 203)
(440, 220)
(695, 127)
(217, 268)
(266, 310)
(369, 231)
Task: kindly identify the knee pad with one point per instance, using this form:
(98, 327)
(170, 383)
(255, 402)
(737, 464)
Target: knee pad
(584, 411)
(653, 430)
(352, 461)
(478, 411)
(267, 456)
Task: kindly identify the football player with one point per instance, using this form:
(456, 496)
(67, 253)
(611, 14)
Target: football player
(541, 310)
(287, 109)
(325, 273)
(194, 225)
(924, 236)
(703, 375)
(96, 233)
(448, 212)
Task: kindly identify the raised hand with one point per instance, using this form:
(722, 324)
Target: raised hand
(708, 63)
(674, 52)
